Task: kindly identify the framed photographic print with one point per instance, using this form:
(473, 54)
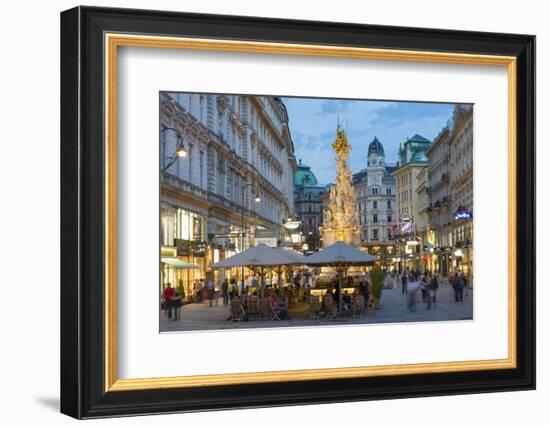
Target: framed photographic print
(261, 212)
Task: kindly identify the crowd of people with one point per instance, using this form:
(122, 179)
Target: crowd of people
(296, 290)
(333, 294)
(427, 283)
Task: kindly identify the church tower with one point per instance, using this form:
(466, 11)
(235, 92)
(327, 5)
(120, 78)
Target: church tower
(376, 156)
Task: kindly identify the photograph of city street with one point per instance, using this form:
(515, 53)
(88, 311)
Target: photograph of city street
(288, 211)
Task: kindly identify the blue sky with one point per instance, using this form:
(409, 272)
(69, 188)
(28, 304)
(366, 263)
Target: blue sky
(313, 127)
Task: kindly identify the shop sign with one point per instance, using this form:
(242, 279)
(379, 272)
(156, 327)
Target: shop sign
(292, 224)
(407, 228)
(463, 214)
(406, 218)
(190, 248)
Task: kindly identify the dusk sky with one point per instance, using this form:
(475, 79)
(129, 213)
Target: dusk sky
(313, 128)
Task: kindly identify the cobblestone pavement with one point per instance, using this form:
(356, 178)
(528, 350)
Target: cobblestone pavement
(392, 309)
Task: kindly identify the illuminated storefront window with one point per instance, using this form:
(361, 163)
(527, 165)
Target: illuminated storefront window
(188, 226)
(183, 236)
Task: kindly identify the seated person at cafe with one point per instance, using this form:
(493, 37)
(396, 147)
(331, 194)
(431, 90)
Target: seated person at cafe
(274, 302)
(283, 304)
(327, 299)
(346, 302)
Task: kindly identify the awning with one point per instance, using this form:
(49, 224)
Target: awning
(177, 263)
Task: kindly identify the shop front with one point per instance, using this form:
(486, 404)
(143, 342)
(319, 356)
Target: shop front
(183, 239)
(444, 261)
(463, 262)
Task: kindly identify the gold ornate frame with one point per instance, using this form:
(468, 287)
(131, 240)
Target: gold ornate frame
(113, 41)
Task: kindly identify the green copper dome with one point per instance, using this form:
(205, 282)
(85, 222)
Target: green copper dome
(304, 176)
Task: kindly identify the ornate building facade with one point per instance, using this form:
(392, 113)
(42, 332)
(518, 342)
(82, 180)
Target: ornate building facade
(440, 208)
(308, 206)
(376, 202)
(450, 179)
(462, 186)
(425, 235)
(238, 149)
(412, 160)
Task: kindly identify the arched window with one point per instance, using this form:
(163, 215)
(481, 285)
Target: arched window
(375, 191)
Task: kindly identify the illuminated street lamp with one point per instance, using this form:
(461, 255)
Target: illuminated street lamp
(180, 151)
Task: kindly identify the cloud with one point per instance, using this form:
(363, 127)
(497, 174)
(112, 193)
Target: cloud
(313, 125)
(332, 107)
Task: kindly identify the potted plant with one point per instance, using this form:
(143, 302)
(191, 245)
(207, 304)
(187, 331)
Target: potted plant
(376, 276)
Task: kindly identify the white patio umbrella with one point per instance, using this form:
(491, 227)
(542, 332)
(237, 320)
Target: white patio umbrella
(340, 256)
(260, 255)
(298, 259)
(293, 255)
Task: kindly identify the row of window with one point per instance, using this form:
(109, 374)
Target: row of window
(404, 196)
(310, 209)
(405, 179)
(363, 206)
(374, 191)
(185, 169)
(374, 234)
(363, 219)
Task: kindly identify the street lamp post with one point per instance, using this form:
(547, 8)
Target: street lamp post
(180, 151)
(257, 199)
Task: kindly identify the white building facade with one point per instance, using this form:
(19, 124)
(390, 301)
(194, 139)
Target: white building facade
(462, 187)
(238, 148)
(412, 160)
(376, 201)
(308, 207)
(440, 208)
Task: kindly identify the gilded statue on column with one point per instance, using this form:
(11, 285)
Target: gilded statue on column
(340, 217)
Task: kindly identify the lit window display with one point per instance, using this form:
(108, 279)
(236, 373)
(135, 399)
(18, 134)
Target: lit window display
(184, 232)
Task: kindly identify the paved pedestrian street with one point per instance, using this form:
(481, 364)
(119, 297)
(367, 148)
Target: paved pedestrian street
(392, 309)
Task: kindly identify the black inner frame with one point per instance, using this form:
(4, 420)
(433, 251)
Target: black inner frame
(82, 209)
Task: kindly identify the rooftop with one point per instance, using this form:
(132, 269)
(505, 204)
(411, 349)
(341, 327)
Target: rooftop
(304, 176)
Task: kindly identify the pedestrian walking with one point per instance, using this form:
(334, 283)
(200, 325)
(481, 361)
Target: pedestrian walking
(434, 286)
(411, 300)
(466, 284)
(424, 289)
(210, 290)
(225, 292)
(404, 280)
(459, 288)
(169, 294)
